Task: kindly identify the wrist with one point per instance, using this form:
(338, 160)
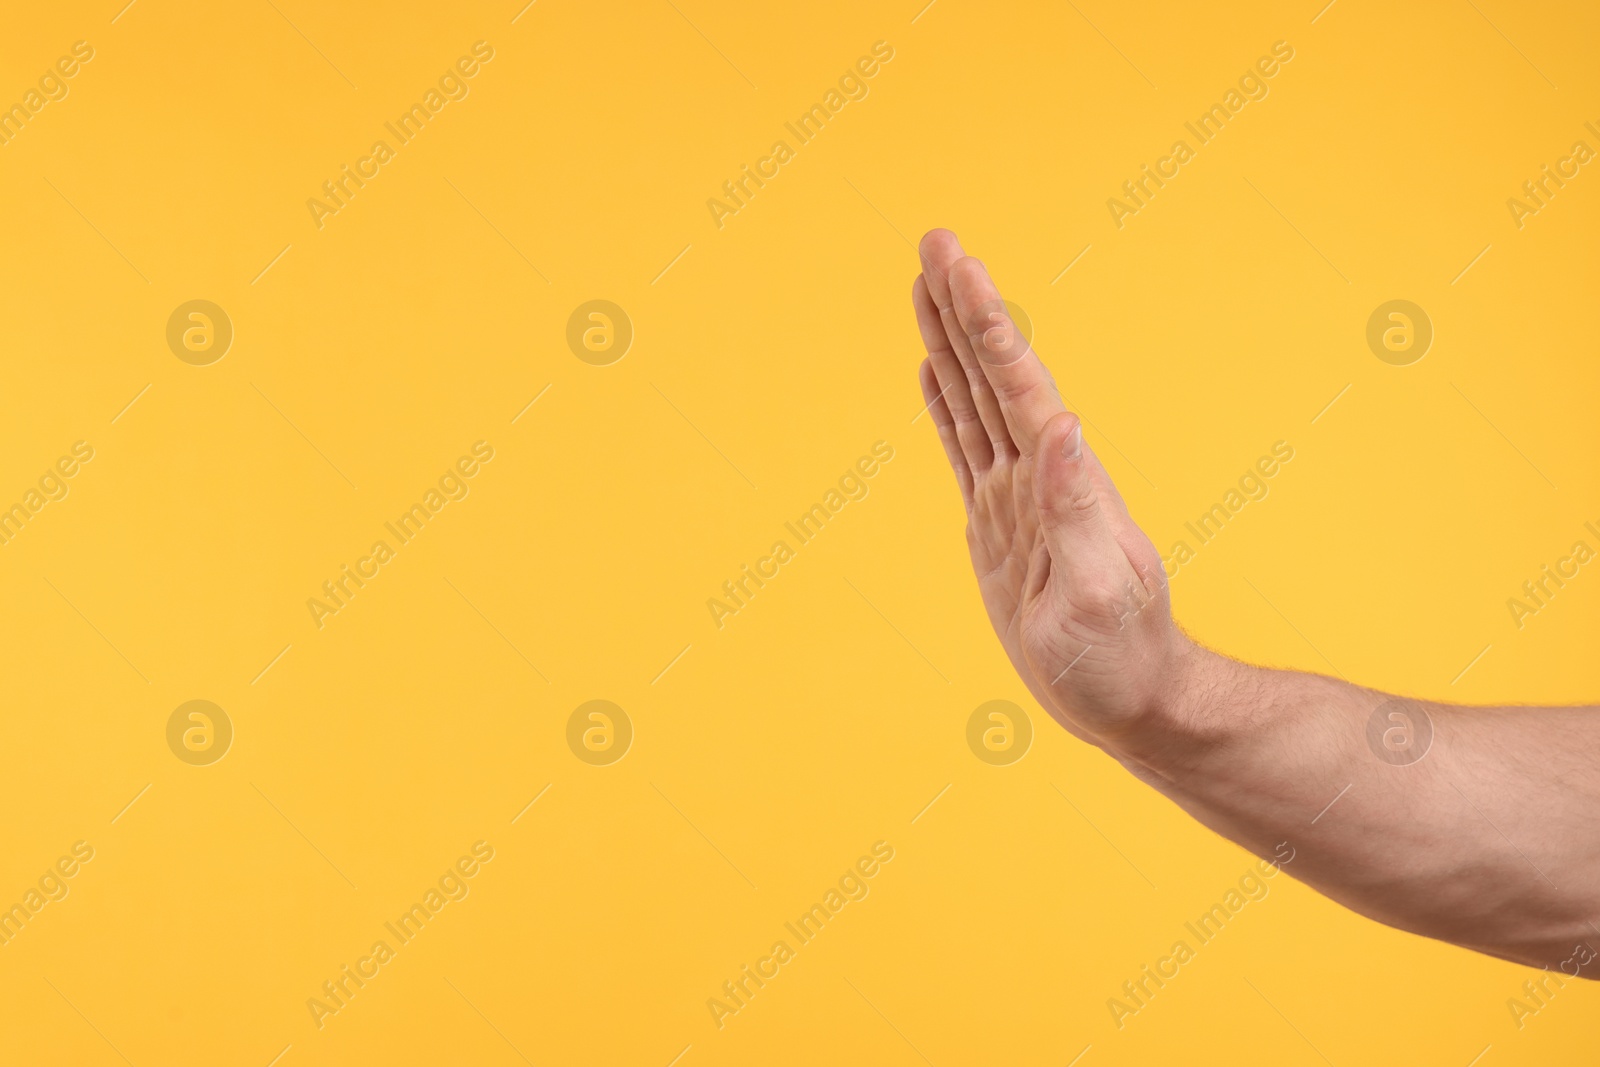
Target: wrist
(1187, 717)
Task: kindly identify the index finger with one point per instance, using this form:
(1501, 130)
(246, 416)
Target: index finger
(1027, 394)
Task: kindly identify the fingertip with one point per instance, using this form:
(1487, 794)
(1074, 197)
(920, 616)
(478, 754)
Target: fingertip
(960, 276)
(1065, 496)
(938, 239)
(939, 249)
(1062, 437)
(973, 292)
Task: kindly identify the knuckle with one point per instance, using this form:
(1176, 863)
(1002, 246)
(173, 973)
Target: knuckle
(1015, 387)
(1076, 506)
(1108, 603)
(1082, 504)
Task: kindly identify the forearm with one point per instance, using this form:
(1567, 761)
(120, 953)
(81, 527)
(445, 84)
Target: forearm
(1487, 837)
(1489, 840)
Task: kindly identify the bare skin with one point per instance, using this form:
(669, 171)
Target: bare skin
(1476, 826)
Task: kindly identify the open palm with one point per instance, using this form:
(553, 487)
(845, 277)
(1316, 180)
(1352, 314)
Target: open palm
(1073, 587)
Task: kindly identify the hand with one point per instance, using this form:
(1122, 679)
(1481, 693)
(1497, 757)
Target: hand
(1074, 589)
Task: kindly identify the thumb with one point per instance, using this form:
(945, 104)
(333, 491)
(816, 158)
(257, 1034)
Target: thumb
(1071, 513)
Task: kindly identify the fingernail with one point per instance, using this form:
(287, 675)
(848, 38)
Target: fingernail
(1072, 447)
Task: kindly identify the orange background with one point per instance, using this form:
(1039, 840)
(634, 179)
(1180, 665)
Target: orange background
(768, 355)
